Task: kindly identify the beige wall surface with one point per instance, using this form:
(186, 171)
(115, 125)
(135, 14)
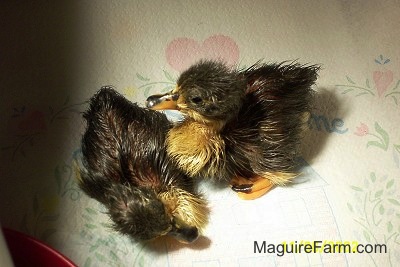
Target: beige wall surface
(55, 55)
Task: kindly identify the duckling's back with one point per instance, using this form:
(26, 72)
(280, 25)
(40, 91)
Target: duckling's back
(125, 166)
(268, 129)
(124, 144)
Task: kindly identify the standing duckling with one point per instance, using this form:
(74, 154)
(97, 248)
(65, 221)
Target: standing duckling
(125, 167)
(242, 126)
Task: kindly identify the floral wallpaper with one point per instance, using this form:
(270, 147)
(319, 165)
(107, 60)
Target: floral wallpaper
(352, 149)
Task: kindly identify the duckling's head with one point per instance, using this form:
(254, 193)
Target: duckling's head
(207, 91)
(145, 215)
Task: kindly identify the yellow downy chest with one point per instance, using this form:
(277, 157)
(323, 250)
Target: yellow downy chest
(196, 146)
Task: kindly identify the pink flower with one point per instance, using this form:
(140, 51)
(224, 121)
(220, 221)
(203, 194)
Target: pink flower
(362, 130)
(27, 122)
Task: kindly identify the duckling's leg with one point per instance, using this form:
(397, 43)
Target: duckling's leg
(251, 188)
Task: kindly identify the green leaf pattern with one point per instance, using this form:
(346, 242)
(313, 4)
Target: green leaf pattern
(378, 212)
(382, 141)
(162, 86)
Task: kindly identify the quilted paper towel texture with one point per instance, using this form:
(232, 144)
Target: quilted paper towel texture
(56, 56)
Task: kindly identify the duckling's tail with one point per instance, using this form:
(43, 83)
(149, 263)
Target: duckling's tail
(274, 77)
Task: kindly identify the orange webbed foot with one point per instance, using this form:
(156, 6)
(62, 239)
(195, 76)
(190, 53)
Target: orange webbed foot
(252, 188)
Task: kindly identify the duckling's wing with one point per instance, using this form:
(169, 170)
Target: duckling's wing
(122, 143)
(271, 120)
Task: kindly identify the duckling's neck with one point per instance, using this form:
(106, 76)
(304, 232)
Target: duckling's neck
(195, 144)
(193, 117)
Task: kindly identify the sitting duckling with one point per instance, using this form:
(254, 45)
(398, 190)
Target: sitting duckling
(125, 167)
(242, 126)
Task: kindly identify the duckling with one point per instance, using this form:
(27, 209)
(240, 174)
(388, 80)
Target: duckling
(242, 126)
(125, 166)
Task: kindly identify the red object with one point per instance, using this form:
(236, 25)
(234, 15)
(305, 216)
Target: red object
(28, 251)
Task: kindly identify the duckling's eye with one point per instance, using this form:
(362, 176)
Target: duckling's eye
(196, 100)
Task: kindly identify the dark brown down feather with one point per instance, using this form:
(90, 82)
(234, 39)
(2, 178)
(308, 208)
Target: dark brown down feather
(126, 168)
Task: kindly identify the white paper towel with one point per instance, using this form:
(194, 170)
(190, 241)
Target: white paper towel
(55, 56)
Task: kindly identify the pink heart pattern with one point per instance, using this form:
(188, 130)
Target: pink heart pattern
(382, 80)
(183, 52)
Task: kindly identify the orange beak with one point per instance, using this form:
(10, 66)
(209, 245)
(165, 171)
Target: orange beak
(162, 101)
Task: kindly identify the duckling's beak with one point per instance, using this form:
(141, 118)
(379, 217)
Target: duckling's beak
(162, 101)
(184, 233)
